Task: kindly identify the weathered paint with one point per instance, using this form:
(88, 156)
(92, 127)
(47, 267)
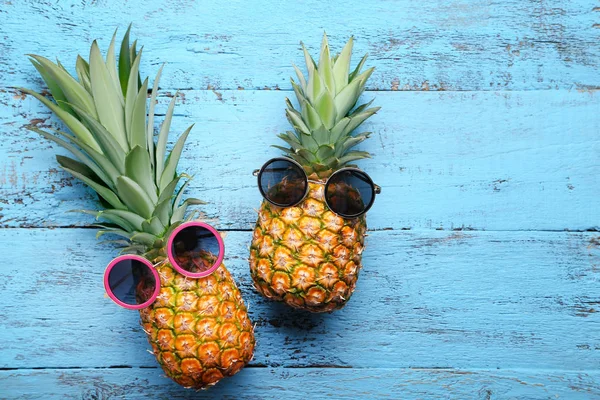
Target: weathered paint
(415, 45)
(445, 160)
(506, 308)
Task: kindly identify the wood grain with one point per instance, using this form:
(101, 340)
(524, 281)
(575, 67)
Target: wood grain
(445, 160)
(315, 383)
(486, 147)
(424, 300)
(447, 45)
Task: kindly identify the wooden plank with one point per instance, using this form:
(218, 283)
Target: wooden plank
(458, 45)
(425, 299)
(445, 160)
(293, 383)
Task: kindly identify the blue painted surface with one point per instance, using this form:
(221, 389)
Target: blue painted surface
(471, 287)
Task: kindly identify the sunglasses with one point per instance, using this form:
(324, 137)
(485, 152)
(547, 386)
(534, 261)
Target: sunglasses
(194, 249)
(349, 192)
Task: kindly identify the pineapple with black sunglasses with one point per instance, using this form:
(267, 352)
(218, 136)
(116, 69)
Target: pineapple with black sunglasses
(309, 237)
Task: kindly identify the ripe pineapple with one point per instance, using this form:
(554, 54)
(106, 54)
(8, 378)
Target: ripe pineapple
(199, 329)
(306, 255)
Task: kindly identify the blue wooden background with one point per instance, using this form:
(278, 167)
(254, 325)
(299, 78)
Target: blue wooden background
(482, 269)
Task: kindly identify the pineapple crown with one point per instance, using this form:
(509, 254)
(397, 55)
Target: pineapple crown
(323, 139)
(104, 107)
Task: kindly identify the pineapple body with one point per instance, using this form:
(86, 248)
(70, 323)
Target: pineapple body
(306, 255)
(199, 329)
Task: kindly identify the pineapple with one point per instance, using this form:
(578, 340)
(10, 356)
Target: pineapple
(306, 255)
(199, 329)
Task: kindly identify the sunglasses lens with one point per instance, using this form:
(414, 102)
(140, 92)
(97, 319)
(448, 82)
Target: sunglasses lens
(195, 249)
(131, 282)
(349, 193)
(283, 183)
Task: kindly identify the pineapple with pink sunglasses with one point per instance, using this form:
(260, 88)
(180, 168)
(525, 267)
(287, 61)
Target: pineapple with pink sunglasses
(190, 306)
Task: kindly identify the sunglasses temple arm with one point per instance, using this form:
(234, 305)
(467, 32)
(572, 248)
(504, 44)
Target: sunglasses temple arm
(255, 172)
(377, 189)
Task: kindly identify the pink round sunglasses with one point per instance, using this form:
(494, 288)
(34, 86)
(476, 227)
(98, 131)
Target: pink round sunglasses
(194, 249)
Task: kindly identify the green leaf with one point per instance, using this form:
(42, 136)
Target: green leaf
(171, 164)
(111, 65)
(83, 73)
(137, 128)
(118, 232)
(132, 219)
(72, 123)
(54, 88)
(106, 98)
(295, 119)
(134, 197)
(163, 137)
(301, 78)
(168, 192)
(315, 87)
(163, 211)
(124, 62)
(150, 124)
(102, 191)
(153, 225)
(109, 147)
(326, 109)
(356, 71)
(74, 165)
(145, 238)
(321, 135)
(347, 98)
(90, 163)
(73, 90)
(325, 69)
(338, 130)
(103, 162)
(354, 155)
(137, 167)
(358, 119)
(116, 220)
(311, 116)
(342, 66)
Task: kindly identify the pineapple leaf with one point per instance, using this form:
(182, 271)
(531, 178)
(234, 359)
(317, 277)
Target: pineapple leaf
(54, 88)
(124, 61)
(300, 75)
(163, 211)
(118, 232)
(137, 167)
(133, 220)
(103, 162)
(324, 68)
(102, 191)
(150, 124)
(354, 155)
(106, 98)
(83, 73)
(92, 165)
(74, 165)
(111, 65)
(325, 107)
(173, 159)
(161, 145)
(346, 99)
(310, 115)
(131, 96)
(144, 238)
(73, 90)
(153, 225)
(168, 192)
(356, 71)
(137, 133)
(72, 123)
(342, 66)
(134, 197)
(110, 148)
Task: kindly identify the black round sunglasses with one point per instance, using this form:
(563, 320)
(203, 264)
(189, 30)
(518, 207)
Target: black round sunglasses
(349, 192)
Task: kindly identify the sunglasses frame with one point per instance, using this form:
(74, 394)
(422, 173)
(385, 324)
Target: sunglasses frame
(171, 259)
(375, 189)
(148, 264)
(172, 256)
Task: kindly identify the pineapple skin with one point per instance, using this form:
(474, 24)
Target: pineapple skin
(306, 255)
(199, 329)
